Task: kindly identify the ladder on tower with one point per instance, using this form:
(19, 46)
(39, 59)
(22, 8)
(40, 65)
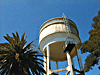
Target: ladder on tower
(67, 26)
(69, 39)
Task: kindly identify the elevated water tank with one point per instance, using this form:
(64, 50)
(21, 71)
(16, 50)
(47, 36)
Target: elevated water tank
(53, 33)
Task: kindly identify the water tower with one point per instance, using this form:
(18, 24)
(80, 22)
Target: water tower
(58, 39)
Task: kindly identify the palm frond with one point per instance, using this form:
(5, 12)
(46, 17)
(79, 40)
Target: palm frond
(18, 38)
(22, 38)
(29, 46)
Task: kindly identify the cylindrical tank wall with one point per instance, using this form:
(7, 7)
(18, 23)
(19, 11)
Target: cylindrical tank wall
(56, 25)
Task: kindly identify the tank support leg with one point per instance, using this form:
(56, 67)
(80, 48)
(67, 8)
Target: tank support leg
(57, 66)
(70, 63)
(48, 59)
(45, 63)
(79, 60)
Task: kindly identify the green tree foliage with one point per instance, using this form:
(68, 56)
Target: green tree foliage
(16, 58)
(92, 45)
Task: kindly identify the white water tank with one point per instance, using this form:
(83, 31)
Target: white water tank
(53, 33)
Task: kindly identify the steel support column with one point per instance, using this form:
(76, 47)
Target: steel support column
(70, 63)
(48, 59)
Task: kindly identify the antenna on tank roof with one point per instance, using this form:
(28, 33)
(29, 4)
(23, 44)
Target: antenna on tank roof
(64, 16)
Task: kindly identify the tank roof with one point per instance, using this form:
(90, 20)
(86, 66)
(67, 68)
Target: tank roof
(57, 18)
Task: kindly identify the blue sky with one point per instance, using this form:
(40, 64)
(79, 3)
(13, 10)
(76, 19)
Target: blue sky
(28, 15)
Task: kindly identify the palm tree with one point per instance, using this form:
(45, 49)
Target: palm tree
(18, 59)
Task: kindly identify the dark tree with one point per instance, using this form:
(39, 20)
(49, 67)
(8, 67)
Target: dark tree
(16, 58)
(92, 45)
